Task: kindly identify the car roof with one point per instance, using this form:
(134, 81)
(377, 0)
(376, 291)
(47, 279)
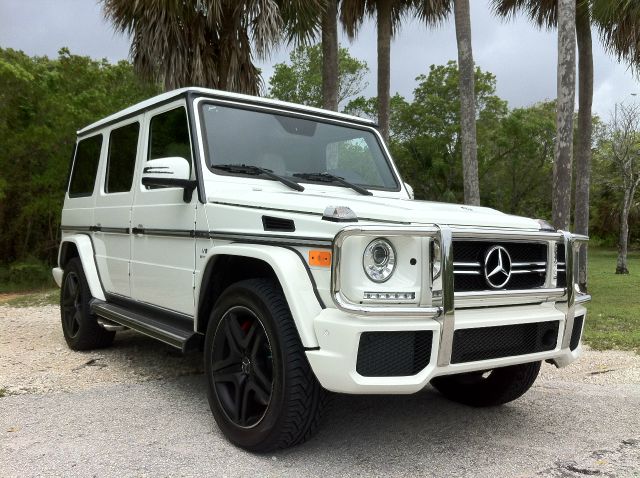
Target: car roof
(223, 95)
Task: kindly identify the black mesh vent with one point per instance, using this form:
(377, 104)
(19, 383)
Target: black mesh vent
(576, 332)
(484, 343)
(474, 252)
(278, 224)
(393, 354)
(562, 264)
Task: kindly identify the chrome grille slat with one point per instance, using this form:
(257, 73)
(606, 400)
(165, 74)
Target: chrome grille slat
(528, 264)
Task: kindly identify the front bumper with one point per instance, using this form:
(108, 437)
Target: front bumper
(339, 330)
(334, 364)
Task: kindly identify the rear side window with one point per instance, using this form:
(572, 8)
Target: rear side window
(123, 145)
(169, 135)
(85, 167)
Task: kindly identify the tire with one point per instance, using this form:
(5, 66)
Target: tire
(79, 327)
(261, 389)
(488, 388)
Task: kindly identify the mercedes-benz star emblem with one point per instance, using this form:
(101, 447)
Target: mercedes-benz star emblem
(497, 267)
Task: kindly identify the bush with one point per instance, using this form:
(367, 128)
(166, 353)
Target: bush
(26, 274)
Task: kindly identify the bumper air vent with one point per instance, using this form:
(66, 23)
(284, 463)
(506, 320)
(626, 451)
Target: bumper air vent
(393, 354)
(484, 343)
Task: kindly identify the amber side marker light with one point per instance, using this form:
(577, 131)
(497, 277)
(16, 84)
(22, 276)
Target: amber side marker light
(320, 258)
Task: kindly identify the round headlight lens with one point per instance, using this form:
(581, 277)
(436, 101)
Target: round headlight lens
(379, 260)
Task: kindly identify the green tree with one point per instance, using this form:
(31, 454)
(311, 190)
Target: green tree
(43, 102)
(426, 139)
(517, 172)
(300, 81)
(622, 149)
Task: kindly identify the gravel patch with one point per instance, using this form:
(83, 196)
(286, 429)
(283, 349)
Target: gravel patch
(34, 358)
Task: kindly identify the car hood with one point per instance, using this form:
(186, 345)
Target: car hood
(378, 209)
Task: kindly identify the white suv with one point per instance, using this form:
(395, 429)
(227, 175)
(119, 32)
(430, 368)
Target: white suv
(281, 240)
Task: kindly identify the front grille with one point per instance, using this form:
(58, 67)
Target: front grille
(484, 343)
(528, 265)
(393, 354)
(576, 332)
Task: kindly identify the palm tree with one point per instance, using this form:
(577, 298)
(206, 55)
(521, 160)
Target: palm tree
(434, 12)
(203, 42)
(330, 74)
(619, 27)
(388, 15)
(467, 103)
(565, 103)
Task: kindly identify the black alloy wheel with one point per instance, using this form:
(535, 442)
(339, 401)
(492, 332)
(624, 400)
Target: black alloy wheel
(71, 305)
(261, 389)
(79, 326)
(242, 367)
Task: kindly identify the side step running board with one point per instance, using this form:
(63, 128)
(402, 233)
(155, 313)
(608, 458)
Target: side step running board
(175, 332)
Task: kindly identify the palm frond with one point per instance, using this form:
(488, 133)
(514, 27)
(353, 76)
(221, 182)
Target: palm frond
(433, 12)
(544, 13)
(618, 22)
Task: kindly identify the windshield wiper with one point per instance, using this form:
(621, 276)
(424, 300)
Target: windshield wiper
(257, 171)
(330, 178)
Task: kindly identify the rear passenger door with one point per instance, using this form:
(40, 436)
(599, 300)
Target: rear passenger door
(77, 214)
(114, 198)
(163, 249)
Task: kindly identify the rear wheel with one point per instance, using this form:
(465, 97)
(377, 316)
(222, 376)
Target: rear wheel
(261, 389)
(80, 328)
(488, 388)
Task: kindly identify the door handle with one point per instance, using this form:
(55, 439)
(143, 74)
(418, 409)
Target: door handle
(137, 230)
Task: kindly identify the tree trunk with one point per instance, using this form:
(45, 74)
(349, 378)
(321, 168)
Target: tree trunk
(621, 266)
(561, 200)
(330, 56)
(384, 65)
(466, 84)
(583, 156)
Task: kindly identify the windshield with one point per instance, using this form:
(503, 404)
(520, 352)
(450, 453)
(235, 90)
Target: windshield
(288, 145)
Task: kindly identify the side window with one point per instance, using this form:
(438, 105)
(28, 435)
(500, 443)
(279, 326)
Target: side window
(123, 146)
(169, 135)
(85, 167)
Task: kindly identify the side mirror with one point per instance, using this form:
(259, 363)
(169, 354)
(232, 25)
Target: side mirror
(409, 190)
(171, 172)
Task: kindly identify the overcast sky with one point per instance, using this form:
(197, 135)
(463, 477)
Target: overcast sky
(522, 58)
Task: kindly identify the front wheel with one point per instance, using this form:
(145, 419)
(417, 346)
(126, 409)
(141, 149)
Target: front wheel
(488, 388)
(261, 389)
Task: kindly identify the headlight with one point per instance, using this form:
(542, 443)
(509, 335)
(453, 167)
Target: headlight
(436, 265)
(379, 260)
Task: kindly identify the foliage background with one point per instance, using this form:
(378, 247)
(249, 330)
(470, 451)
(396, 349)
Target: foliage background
(43, 102)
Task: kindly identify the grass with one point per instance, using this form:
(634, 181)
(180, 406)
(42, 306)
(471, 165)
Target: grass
(3, 392)
(613, 318)
(31, 298)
